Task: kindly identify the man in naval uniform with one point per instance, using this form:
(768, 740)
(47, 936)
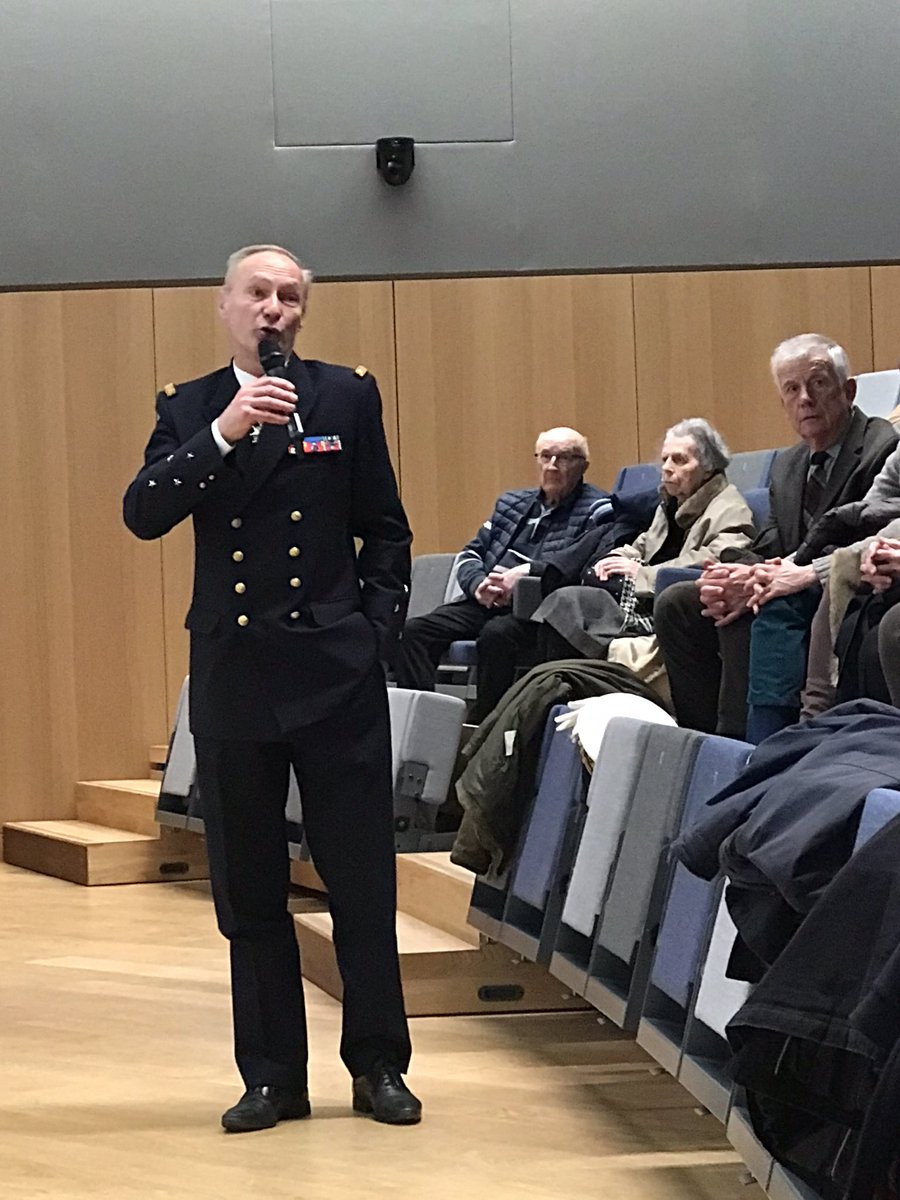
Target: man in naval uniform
(289, 623)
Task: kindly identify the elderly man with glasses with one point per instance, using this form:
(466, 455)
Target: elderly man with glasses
(525, 526)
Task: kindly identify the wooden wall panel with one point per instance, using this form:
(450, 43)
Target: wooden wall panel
(116, 580)
(483, 365)
(188, 341)
(348, 323)
(82, 626)
(353, 323)
(886, 317)
(703, 342)
(37, 700)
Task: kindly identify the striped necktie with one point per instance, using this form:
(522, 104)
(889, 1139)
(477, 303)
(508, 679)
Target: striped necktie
(814, 491)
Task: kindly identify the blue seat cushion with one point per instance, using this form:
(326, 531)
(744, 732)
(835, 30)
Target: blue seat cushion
(462, 654)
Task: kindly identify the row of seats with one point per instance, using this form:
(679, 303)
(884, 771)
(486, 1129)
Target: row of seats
(592, 895)
(748, 471)
(426, 729)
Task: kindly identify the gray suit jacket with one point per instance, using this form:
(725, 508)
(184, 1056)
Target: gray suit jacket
(867, 443)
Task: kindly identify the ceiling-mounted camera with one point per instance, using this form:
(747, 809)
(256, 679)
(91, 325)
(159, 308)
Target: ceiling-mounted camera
(395, 158)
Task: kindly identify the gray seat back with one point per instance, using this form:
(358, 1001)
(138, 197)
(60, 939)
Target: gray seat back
(453, 591)
(750, 469)
(425, 733)
(653, 816)
(429, 582)
(878, 392)
(609, 800)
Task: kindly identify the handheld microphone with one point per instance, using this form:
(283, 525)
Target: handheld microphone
(274, 363)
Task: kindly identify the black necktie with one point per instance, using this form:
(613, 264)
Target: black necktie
(814, 491)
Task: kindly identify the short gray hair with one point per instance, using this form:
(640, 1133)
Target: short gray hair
(805, 345)
(246, 251)
(712, 453)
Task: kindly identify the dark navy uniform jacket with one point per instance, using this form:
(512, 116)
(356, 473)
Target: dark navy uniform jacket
(287, 616)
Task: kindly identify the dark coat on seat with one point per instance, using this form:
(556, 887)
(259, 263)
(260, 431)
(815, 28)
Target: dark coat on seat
(816, 1032)
(783, 829)
(497, 784)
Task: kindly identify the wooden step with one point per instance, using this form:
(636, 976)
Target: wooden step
(157, 759)
(429, 887)
(95, 854)
(159, 754)
(442, 974)
(128, 804)
(433, 889)
(305, 875)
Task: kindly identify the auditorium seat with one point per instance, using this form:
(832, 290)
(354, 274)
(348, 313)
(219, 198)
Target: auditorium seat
(784, 1185)
(632, 905)
(881, 806)
(535, 897)
(426, 728)
(425, 736)
(429, 582)
(706, 1054)
(641, 477)
(739, 1131)
(433, 583)
(609, 798)
(177, 791)
(878, 392)
(688, 910)
(758, 502)
(750, 469)
(490, 893)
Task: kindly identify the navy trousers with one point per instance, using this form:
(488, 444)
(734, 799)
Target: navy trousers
(343, 767)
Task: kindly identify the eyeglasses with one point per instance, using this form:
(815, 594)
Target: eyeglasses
(565, 459)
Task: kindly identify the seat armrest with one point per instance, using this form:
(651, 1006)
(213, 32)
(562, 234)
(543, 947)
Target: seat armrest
(527, 596)
(668, 575)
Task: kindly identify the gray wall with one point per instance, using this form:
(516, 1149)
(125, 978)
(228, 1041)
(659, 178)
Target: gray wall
(143, 142)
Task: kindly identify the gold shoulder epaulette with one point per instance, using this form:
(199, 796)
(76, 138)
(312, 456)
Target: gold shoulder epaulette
(170, 389)
(361, 371)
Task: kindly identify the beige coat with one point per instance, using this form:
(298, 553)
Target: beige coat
(715, 517)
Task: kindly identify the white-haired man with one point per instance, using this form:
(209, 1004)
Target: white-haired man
(525, 527)
(704, 629)
(288, 623)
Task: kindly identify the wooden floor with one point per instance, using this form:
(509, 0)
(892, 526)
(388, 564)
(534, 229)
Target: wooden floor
(115, 1065)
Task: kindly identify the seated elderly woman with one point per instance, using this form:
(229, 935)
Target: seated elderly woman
(700, 514)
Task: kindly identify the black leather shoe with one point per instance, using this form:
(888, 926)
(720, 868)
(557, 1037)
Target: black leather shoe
(382, 1094)
(264, 1107)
